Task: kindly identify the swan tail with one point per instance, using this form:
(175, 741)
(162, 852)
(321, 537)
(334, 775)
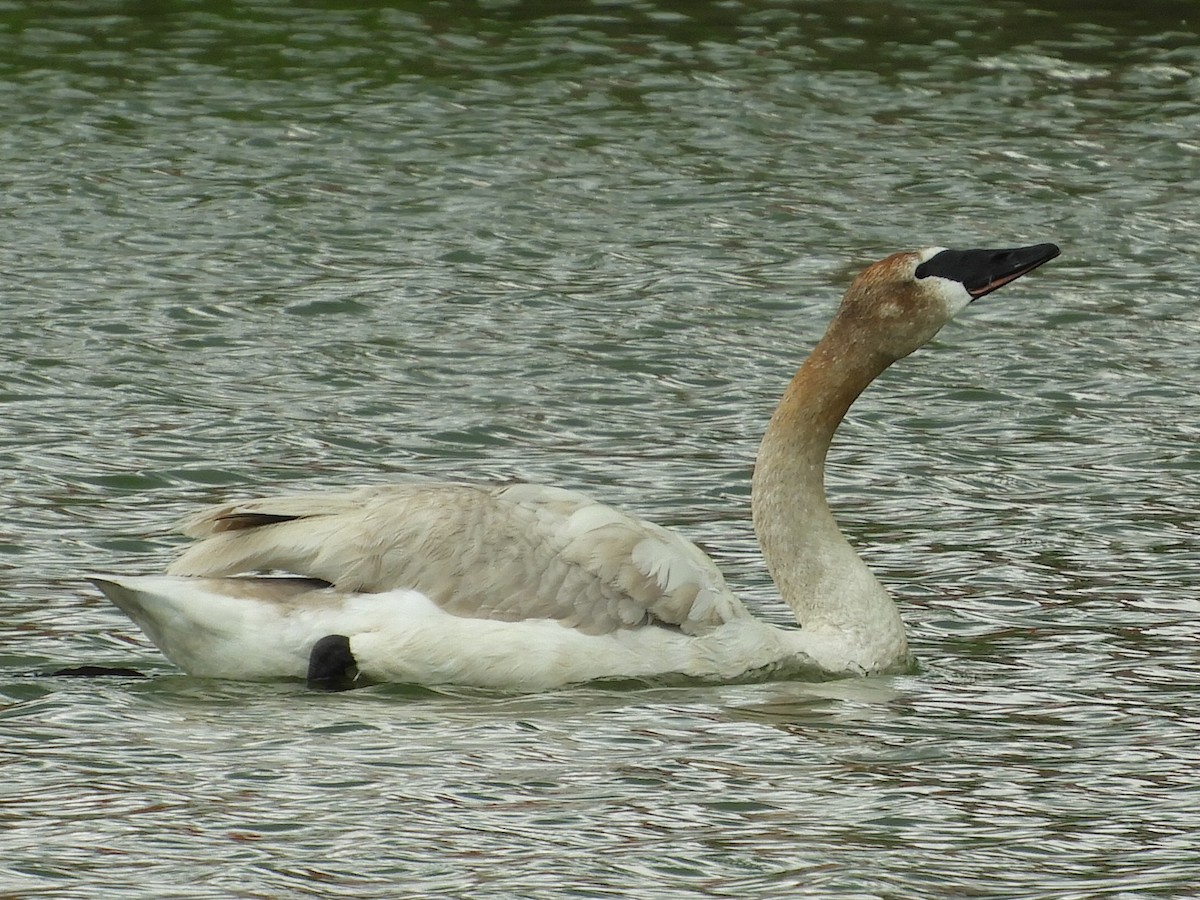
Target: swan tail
(252, 628)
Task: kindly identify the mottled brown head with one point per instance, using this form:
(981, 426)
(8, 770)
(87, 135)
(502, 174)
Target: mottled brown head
(899, 303)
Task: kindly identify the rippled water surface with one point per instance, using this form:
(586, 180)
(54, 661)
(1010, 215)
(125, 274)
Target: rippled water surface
(298, 245)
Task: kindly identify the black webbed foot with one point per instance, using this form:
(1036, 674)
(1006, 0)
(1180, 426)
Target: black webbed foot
(331, 665)
(96, 672)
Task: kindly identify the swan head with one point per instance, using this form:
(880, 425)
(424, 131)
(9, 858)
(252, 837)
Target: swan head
(899, 303)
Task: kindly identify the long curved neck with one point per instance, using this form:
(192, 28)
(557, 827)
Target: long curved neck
(819, 576)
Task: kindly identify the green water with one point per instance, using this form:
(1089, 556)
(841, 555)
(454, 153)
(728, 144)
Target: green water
(274, 246)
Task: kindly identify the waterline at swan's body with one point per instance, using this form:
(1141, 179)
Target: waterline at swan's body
(437, 648)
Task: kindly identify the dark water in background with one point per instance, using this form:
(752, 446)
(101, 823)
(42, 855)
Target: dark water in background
(298, 245)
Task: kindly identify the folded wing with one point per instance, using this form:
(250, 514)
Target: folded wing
(511, 552)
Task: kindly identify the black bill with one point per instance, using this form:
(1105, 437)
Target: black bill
(982, 271)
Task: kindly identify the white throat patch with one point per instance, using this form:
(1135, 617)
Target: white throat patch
(953, 295)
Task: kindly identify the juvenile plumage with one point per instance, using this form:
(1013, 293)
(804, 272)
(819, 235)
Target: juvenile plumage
(527, 587)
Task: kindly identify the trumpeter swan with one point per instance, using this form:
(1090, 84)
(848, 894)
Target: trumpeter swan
(527, 587)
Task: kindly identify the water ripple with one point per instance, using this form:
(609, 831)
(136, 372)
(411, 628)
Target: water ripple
(296, 247)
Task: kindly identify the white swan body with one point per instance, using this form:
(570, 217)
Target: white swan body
(527, 587)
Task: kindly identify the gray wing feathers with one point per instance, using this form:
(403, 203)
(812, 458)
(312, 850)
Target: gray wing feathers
(510, 553)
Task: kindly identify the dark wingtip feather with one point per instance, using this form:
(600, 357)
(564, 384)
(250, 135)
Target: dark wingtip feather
(242, 520)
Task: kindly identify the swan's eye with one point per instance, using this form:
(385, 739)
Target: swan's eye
(944, 264)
